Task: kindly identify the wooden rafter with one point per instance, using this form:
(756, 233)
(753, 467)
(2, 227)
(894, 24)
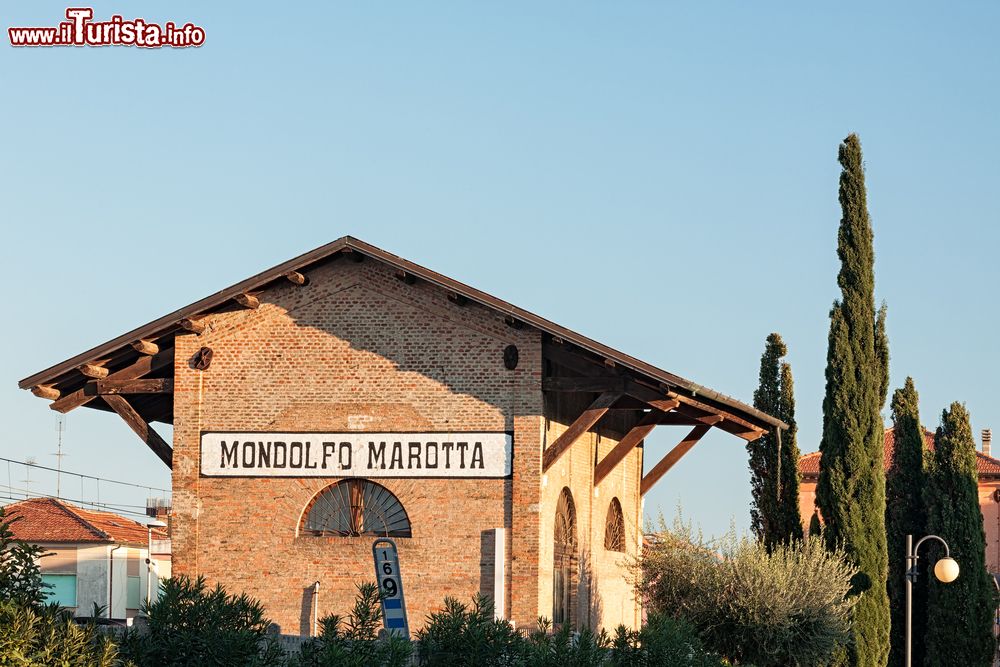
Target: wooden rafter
(297, 278)
(652, 396)
(247, 301)
(672, 457)
(580, 425)
(138, 386)
(143, 346)
(143, 366)
(141, 428)
(93, 370)
(45, 391)
(194, 326)
(636, 435)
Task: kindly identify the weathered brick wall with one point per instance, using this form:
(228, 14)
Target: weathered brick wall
(357, 349)
(604, 595)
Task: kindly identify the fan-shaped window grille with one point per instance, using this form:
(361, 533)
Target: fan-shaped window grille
(614, 527)
(354, 507)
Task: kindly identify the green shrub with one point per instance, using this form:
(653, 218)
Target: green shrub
(469, 635)
(33, 636)
(787, 607)
(193, 625)
(353, 641)
(20, 577)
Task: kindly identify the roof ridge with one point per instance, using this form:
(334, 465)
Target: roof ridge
(167, 323)
(71, 510)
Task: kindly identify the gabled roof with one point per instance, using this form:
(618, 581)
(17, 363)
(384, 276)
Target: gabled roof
(119, 353)
(987, 466)
(44, 520)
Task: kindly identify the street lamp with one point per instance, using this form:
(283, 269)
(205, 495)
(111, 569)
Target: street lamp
(155, 523)
(946, 571)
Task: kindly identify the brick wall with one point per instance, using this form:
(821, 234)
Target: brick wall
(604, 596)
(357, 349)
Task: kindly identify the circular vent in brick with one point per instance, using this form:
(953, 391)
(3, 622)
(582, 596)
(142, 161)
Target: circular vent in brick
(355, 507)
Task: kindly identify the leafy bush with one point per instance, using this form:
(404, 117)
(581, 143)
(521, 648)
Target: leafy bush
(787, 607)
(464, 635)
(20, 577)
(353, 641)
(48, 635)
(193, 625)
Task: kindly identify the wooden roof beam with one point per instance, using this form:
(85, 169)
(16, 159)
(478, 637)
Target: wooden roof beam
(139, 386)
(297, 278)
(93, 370)
(143, 346)
(636, 435)
(46, 391)
(143, 366)
(672, 457)
(247, 300)
(141, 428)
(587, 419)
(191, 325)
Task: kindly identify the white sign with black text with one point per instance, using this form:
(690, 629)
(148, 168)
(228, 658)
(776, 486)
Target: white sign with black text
(234, 454)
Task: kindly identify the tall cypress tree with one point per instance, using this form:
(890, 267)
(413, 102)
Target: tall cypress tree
(787, 518)
(905, 515)
(851, 488)
(959, 629)
(763, 451)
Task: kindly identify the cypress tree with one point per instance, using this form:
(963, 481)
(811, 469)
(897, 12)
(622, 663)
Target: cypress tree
(788, 520)
(905, 515)
(774, 458)
(851, 488)
(959, 629)
(763, 451)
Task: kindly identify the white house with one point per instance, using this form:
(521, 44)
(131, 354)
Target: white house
(93, 557)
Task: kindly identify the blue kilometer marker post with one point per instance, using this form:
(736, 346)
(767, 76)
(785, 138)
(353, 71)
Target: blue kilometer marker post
(390, 587)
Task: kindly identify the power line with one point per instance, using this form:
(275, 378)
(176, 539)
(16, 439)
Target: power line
(120, 509)
(81, 475)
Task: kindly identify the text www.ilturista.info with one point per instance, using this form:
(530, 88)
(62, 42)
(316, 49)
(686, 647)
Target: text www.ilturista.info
(79, 30)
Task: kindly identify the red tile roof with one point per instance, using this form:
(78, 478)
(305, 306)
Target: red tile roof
(987, 466)
(51, 520)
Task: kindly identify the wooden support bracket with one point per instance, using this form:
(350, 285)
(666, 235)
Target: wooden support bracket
(672, 457)
(141, 428)
(626, 444)
(581, 425)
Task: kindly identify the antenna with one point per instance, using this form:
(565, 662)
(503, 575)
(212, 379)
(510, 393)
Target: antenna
(28, 464)
(60, 429)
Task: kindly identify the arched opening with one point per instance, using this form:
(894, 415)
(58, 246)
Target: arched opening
(614, 528)
(564, 560)
(356, 507)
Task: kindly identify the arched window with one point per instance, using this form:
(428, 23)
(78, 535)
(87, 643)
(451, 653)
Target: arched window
(614, 527)
(354, 507)
(564, 559)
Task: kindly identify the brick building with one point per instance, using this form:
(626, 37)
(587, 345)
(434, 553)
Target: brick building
(987, 467)
(350, 393)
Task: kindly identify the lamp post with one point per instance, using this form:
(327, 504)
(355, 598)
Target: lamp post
(155, 523)
(946, 571)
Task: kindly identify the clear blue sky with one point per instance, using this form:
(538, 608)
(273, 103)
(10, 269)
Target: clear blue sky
(662, 179)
